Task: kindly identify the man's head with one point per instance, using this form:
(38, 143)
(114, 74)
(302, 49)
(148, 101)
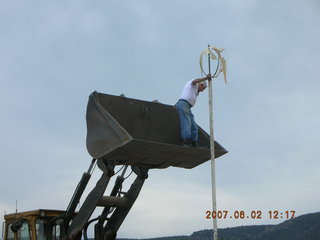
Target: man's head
(202, 86)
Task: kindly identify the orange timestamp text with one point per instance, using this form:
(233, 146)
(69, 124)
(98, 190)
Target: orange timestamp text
(255, 214)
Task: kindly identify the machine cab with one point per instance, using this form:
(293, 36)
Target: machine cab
(32, 225)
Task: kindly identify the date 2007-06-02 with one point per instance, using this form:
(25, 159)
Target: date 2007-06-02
(275, 214)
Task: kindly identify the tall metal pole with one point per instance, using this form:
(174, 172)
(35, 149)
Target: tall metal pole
(213, 168)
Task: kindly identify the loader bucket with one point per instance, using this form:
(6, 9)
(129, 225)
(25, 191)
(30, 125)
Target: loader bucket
(128, 131)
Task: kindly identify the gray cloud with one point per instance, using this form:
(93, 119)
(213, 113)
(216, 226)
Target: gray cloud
(54, 54)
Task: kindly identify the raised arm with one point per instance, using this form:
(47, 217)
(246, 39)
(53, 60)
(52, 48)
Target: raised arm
(198, 80)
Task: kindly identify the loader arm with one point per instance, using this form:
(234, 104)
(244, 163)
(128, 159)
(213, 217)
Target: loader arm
(121, 202)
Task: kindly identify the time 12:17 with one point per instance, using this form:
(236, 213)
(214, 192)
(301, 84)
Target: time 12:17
(277, 215)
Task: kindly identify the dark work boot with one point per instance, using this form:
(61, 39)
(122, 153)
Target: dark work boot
(186, 143)
(195, 144)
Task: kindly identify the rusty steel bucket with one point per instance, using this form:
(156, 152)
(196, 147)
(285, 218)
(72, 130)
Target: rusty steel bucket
(128, 131)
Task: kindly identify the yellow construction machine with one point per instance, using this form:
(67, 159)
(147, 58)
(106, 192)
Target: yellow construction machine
(135, 134)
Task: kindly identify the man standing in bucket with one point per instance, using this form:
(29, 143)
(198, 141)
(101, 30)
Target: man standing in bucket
(188, 126)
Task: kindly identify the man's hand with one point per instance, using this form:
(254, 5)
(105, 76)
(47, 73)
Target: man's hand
(208, 77)
(198, 80)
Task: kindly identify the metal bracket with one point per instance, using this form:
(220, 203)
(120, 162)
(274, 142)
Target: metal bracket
(141, 172)
(106, 167)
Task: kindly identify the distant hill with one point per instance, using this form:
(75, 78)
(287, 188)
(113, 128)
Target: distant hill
(305, 227)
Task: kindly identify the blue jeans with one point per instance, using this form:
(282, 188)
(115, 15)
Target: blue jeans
(188, 126)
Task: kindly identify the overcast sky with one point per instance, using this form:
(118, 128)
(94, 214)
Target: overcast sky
(53, 54)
